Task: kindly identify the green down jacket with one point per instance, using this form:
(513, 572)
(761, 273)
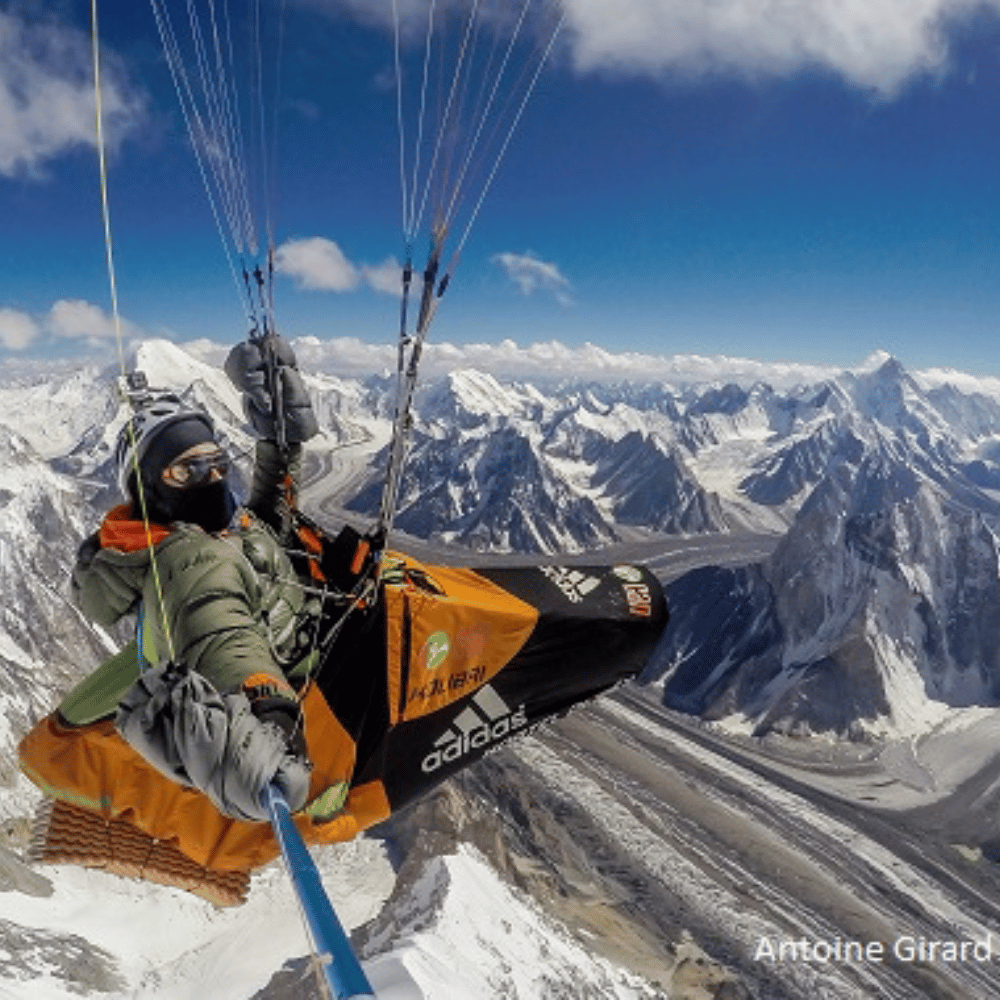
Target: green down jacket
(231, 603)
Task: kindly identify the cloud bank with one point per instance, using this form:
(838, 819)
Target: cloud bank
(546, 361)
(542, 363)
(67, 320)
(47, 95)
(318, 264)
(552, 361)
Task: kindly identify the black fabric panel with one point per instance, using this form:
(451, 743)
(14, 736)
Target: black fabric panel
(587, 592)
(597, 626)
(589, 637)
(352, 678)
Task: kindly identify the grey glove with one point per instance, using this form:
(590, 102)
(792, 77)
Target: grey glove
(247, 370)
(182, 726)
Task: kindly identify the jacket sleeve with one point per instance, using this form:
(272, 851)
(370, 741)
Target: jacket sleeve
(103, 593)
(184, 728)
(276, 486)
(212, 602)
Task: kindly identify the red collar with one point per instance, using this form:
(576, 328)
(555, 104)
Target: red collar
(122, 531)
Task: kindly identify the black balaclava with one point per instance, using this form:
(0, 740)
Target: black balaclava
(211, 505)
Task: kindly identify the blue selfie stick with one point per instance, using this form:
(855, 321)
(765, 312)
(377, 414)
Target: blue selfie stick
(340, 966)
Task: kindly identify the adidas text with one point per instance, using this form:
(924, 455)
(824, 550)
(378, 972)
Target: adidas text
(487, 719)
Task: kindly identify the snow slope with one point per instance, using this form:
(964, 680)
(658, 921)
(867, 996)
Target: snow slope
(146, 941)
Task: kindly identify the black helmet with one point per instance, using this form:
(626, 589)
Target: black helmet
(155, 435)
(158, 432)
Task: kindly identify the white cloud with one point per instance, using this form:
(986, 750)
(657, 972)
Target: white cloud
(66, 320)
(47, 95)
(17, 330)
(318, 264)
(933, 378)
(76, 319)
(532, 274)
(344, 356)
(876, 44)
(386, 277)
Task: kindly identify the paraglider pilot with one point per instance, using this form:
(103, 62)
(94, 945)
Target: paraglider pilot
(221, 615)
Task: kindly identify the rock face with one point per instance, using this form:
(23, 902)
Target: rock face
(44, 644)
(512, 468)
(27, 953)
(881, 605)
(720, 642)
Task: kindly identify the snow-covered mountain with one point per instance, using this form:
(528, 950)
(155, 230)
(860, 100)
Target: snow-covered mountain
(877, 614)
(68, 933)
(513, 468)
(524, 468)
(880, 608)
(44, 644)
(851, 467)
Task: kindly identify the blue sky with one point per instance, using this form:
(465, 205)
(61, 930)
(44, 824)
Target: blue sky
(805, 182)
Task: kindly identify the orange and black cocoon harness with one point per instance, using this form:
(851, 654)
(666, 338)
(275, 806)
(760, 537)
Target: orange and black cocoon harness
(446, 665)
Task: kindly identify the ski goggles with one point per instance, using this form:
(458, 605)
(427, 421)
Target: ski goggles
(197, 470)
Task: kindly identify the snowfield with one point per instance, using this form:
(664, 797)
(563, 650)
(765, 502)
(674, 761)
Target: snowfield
(165, 944)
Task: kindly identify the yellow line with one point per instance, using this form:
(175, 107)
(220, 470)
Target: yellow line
(112, 279)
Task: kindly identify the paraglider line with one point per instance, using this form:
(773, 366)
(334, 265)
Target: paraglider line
(192, 119)
(400, 127)
(411, 224)
(113, 282)
(445, 119)
(510, 134)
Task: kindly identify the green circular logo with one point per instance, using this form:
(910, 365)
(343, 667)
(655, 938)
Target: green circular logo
(438, 646)
(630, 574)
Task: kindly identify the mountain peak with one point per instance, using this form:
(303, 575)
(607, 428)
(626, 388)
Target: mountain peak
(891, 369)
(889, 395)
(881, 366)
(876, 360)
(168, 365)
(467, 394)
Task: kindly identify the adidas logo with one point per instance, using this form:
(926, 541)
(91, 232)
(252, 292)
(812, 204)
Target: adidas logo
(574, 584)
(487, 719)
